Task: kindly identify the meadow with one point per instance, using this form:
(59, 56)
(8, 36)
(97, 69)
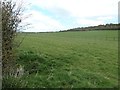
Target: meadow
(69, 59)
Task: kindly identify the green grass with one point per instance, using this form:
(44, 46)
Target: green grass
(70, 59)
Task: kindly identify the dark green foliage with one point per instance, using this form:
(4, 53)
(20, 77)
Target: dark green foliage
(99, 27)
(32, 62)
(12, 82)
(36, 63)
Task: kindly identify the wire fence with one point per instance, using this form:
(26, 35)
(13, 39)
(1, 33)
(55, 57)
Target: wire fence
(101, 38)
(112, 38)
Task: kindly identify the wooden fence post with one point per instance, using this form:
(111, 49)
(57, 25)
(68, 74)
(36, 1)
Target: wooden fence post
(0, 45)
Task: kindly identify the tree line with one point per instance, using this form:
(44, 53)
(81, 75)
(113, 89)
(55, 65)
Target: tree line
(99, 27)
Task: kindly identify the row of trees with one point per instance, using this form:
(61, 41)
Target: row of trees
(99, 27)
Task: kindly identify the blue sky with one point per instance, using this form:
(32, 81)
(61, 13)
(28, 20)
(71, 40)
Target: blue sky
(55, 15)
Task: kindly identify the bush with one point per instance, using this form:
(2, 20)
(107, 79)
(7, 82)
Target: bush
(10, 21)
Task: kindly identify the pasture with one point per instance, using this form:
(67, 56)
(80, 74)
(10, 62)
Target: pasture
(69, 59)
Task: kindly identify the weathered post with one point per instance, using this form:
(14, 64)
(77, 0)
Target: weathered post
(118, 44)
(0, 45)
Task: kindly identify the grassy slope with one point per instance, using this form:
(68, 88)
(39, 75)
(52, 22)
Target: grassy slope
(70, 59)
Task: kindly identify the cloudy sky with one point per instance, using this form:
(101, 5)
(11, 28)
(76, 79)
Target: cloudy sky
(55, 15)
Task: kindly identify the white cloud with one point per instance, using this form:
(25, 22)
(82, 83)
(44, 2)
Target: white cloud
(80, 10)
(42, 23)
(105, 18)
(88, 22)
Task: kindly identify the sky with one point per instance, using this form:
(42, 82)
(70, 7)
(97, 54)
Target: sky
(56, 15)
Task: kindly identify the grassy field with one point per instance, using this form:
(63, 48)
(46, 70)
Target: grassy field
(70, 59)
